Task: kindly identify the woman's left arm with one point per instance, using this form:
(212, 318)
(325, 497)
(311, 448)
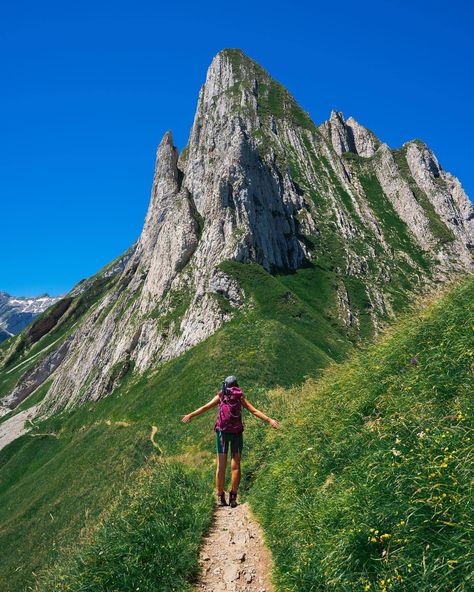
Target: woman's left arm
(273, 422)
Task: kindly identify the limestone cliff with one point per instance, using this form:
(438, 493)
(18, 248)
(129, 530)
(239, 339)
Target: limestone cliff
(257, 182)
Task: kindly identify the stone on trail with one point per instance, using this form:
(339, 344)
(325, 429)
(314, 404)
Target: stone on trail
(231, 573)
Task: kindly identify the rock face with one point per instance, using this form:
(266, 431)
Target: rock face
(16, 312)
(259, 182)
(349, 136)
(36, 376)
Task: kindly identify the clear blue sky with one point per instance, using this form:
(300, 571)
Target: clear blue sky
(89, 89)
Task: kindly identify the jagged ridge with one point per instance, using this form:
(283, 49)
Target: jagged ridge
(259, 182)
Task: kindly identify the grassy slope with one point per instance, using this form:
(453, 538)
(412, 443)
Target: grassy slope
(369, 484)
(148, 540)
(52, 486)
(366, 487)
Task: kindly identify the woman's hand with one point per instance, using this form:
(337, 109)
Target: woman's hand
(186, 418)
(274, 423)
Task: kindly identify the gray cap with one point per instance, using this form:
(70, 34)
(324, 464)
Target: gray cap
(230, 380)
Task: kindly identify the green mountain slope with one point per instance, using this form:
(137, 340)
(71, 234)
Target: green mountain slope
(56, 480)
(369, 485)
(360, 449)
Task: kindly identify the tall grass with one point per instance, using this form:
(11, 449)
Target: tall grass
(369, 485)
(148, 540)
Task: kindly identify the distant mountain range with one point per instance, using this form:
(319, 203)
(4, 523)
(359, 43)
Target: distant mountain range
(16, 312)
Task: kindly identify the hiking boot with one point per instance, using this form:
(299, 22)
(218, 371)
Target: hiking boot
(221, 499)
(233, 499)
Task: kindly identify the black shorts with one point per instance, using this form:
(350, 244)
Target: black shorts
(223, 439)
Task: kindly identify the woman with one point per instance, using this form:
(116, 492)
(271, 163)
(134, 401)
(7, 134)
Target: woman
(229, 428)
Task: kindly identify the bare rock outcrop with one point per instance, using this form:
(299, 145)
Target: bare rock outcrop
(259, 182)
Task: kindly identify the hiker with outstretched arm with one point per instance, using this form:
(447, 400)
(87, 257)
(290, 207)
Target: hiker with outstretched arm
(229, 428)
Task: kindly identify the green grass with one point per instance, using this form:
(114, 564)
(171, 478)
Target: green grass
(368, 486)
(85, 457)
(149, 540)
(56, 481)
(360, 303)
(299, 301)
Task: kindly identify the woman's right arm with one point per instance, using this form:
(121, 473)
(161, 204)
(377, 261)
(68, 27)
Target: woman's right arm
(212, 403)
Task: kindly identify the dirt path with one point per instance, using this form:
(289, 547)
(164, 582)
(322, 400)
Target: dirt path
(13, 428)
(234, 557)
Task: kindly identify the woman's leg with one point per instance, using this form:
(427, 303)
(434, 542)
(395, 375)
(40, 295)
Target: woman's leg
(235, 468)
(220, 471)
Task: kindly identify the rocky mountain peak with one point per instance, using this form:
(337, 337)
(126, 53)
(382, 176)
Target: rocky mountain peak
(222, 74)
(167, 159)
(164, 189)
(236, 191)
(258, 182)
(349, 136)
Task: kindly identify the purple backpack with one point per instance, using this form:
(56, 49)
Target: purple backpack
(229, 418)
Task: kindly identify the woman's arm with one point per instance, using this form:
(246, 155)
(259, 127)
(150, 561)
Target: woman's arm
(273, 422)
(212, 403)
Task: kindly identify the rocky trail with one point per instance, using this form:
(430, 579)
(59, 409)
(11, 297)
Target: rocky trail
(234, 557)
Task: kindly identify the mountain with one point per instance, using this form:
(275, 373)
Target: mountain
(16, 312)
(272, 248)
(258, 182)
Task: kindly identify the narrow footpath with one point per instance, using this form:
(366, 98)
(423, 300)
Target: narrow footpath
(234, 557)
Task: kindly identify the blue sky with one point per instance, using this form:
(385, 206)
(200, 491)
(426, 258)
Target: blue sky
(89, 89)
